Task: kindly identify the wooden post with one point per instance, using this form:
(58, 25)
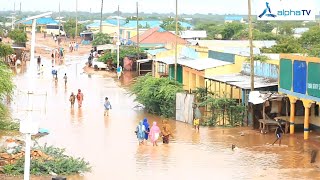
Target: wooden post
(251, 46)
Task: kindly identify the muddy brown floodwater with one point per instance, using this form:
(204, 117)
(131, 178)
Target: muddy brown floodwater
(110, 145)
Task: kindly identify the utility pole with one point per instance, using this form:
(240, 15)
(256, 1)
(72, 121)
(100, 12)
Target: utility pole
(20, 9)
(101, 16)
(251, 46)
(76, 33)
(59, 20)
(138, 43)
(118, 38)
(176, 45)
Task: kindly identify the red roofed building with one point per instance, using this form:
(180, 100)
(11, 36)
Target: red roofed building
(157, 37)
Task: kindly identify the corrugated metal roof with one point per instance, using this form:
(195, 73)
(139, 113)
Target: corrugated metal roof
(233, 18)
(243, 81)
(149, 24)
(154, 52)
(241, 51)
(193, 34)
(198, 64)
(113, 22)
(41, 21)
(214, 44)
(152, 24)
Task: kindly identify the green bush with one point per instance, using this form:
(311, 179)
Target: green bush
(124, 52)
(18, 36)
(5, 50)
(101, 39)
(158, 95)
(6, 90)
(60, 164)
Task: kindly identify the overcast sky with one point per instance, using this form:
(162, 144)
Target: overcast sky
(185, 6)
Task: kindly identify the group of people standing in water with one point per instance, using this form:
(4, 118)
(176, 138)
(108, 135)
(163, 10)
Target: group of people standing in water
(144, 132)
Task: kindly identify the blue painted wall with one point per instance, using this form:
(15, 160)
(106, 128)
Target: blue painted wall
(262, 69)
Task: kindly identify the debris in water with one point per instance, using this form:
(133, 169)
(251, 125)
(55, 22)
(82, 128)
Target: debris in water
(313, 156)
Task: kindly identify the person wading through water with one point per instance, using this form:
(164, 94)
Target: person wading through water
(154, 134)
(79, 98)
(107, 106)
(279, 131)
(72, 100)
(141, 132)
(147, 126)
(38, 62)
(166, 132)
(65, 79)
(197, 117)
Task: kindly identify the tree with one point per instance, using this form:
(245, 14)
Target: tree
(70, 27)
(156, 94)
(124, 52)
(5, 50)
(286, 44)
(169, 24)
(18, 36)
(6, 88)
(257, 35)
(310, 38)
(231, 29)
(101, 39)
(266, 27)
(212, 29)
(287, 28)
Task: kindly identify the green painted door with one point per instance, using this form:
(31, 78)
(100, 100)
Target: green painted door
(285, 74)
(313, 79)
(179, 73)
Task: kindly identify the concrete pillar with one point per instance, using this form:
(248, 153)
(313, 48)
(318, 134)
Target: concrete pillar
(307, 105)
(190, 80)
(197, 81)
(292, 113)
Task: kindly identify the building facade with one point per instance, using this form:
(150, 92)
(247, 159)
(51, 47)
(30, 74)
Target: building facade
(299, 79)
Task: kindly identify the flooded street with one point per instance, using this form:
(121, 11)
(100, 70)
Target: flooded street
(110, 145)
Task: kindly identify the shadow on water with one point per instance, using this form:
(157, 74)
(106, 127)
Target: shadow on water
(110, 145)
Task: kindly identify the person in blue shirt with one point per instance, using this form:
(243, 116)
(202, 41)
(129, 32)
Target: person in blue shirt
(119, 71)
(107, 106)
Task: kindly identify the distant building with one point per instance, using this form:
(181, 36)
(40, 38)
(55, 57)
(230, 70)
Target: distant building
(157, 37)
(41, 24)
(191, 35)
(230, 19)
(297, 32)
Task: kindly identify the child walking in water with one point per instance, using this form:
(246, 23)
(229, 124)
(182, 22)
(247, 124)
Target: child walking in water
(107, 106)
(278, 132)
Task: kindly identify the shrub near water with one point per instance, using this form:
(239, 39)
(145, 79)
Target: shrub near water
(59, 163)
(158, 95)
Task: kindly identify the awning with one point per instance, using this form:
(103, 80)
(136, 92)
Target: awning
(143, 60)
(243, 81)
(256, 97)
